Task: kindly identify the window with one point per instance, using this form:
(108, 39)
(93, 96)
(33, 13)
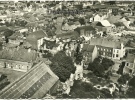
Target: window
(104, 49)
(117, 55)
(117, 51)
(104, 53)
(127, 64)
(113, 55)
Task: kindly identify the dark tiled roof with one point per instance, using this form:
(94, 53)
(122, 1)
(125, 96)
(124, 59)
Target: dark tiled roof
(3, 28)
(18, 55)
(31, 24)
(15, 36)
(86, 28)
(88, 48)
(70, 23)
(105, 43)
(69, 35)
(118, 24)
(33, 84)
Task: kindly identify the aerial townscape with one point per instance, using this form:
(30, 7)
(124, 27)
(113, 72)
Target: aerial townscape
(67, 49)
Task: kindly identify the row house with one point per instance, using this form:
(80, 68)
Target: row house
(108, 48)
(19, 59)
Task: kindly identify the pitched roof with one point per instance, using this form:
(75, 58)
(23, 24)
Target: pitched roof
(70, 23)
(18, 55)
(130, 58)
(36, 35)
(33, 84)
(105, 42)
(88, 48)
(31, 24)
(86, 28)
(15, 36)
(70, 34)
(49, 44)
(118, 24)
(3, 28)
(105, 23)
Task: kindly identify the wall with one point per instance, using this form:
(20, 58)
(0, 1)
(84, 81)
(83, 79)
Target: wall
(40, 42)
(14, 41)
(120, 52)
(95, 53)
(116, 54)
(15, 65)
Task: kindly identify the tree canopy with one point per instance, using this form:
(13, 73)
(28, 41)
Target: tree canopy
(124, 78)
(82, 21)
(62, 65)
(100, 65)
(132, 82)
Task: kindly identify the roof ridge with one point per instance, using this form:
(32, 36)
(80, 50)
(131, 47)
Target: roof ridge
(10, 85)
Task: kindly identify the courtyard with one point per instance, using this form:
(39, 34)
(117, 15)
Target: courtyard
(12, 75)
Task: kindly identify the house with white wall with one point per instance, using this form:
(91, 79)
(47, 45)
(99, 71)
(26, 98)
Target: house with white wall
(109, 48)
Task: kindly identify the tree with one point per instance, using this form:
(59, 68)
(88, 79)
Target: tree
(61, 72)
(82, 21)
(79, 58)
(124, 78)
(107, 63)
(130, 92)
(83, 90)
(64, 64)
(132, 82)
(99, 65)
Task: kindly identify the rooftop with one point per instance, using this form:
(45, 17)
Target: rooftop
(118, 24)
(36, 35)
(18, 54)
(88, 48)
(33, 84)
(86, 28)
(130, 58)
(67, 35)
(105, 42)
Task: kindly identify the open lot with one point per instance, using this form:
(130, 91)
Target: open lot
(12, 75)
